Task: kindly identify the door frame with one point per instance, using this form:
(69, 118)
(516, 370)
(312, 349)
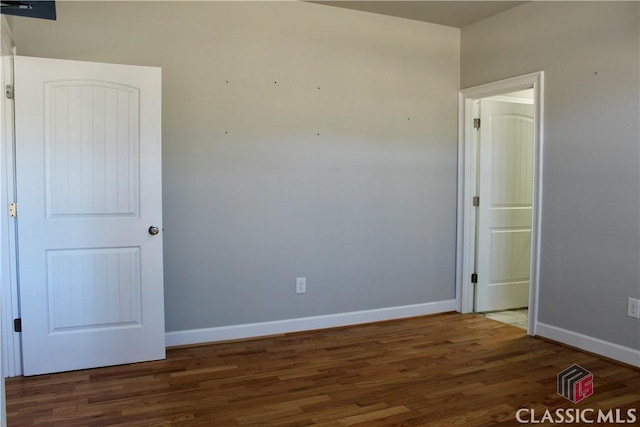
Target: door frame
(11, 342)
(467, 184)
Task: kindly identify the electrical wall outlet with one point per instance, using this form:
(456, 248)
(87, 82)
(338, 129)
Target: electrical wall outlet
(633, 308)
(301, 285)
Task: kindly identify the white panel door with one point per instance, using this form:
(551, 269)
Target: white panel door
(88, 152)
(504, 214)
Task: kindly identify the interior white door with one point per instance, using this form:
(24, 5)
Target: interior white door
(88, 153)
(504, 214)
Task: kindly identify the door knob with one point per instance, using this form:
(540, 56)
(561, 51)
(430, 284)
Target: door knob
(153, 230)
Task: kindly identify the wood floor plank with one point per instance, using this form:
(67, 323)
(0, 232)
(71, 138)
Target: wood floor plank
(441, 370)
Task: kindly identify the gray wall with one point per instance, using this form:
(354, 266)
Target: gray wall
(299, 140)
(589, 52)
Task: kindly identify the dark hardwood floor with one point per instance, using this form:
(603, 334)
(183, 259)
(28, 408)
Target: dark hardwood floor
(440, 370)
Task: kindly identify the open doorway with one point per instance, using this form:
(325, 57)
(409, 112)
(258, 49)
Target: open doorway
(504, 185)
(498, 219)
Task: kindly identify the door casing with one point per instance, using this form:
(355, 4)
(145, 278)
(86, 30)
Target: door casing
(467, 184)
(11, 343)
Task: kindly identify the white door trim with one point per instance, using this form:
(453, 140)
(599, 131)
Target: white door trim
(11, 346)
(467, 173)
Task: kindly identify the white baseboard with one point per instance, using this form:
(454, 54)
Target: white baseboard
(590, 344)
(250, 330)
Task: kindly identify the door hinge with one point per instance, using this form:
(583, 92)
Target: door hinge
(13, 210)
(474, 278)
(17, 325)
(476, 201)
(476, 123)
(9, 92)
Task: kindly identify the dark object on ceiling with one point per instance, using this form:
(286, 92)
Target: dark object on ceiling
(30, 9)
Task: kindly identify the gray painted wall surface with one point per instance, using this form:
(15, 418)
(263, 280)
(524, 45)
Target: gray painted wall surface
(299, 140)
(590, 53)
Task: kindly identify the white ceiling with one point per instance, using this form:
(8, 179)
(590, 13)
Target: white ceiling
(452, 13)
